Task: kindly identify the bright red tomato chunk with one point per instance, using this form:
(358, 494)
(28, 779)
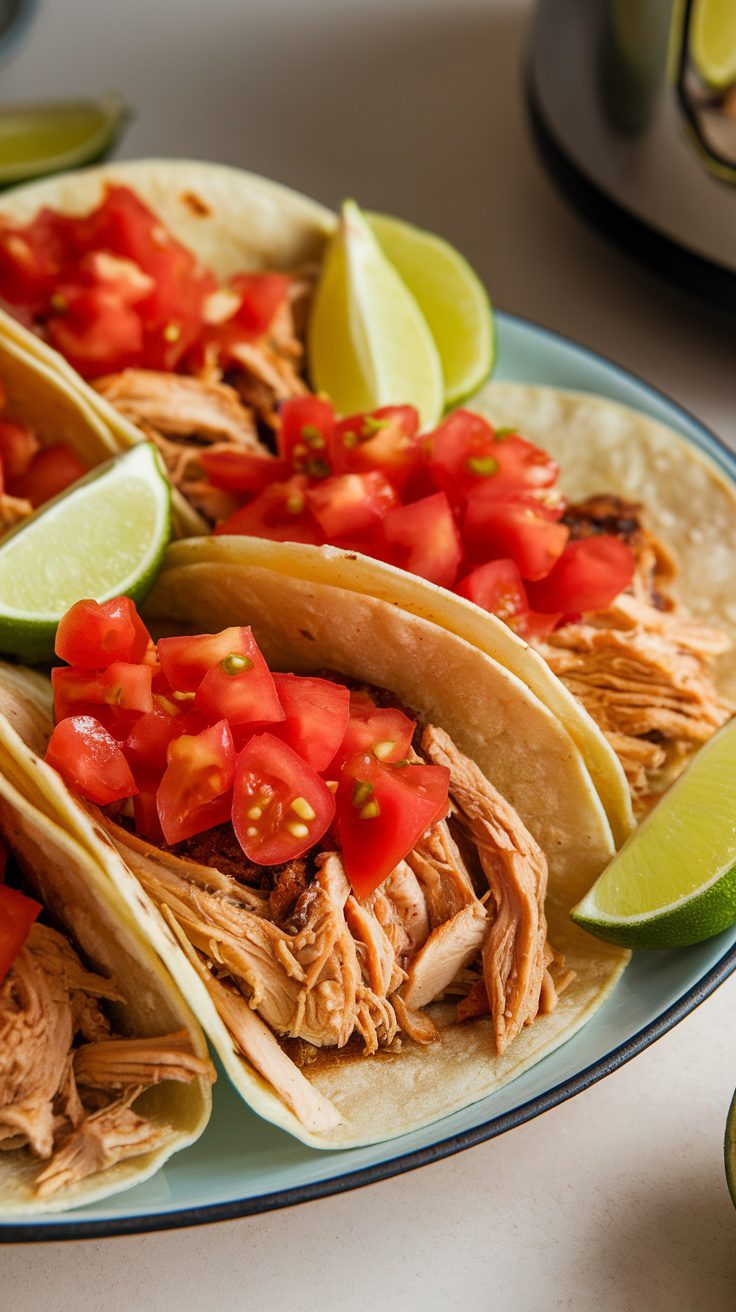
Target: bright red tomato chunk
(515, 530)
(17, 915)
(588, 576)
(51, 471)
(194, 793)
(316, 712)
(423, 538)
(240, 687)
(351, 505)
(281, 807)
(382, 811)
(89, 760)
(94, 634)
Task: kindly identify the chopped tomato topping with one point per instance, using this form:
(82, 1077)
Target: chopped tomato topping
(497, 587)
(17, 915)
(316, 717)
(123, 685)
(516, 530)
(306, 428)
(185, 661)
(385, 440)
(94, 634)
(351, 505)
(195, 792)
(234, 470)
(18, 446)
(240, 687)
(281, 807)
(89, 760)
(280, 513)
(382, 730)
(51, 471)
(588, 576)
(382, 811)
(423, 538)
(261, 295)
(147, 744)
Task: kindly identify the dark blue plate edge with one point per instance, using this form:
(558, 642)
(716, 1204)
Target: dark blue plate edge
(55, 1231)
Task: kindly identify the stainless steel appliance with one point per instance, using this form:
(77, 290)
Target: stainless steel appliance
(634, 108)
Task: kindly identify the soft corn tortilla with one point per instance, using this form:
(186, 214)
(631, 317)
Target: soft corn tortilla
(99, 920)
(492, 716)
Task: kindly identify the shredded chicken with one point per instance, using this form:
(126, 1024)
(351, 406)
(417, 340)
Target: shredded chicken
(176, 406)
(513, 952)
(448, 949)
(50, 1087)
(642, 668)
(441, 872)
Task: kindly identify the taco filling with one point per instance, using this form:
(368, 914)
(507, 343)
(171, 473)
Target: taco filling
(331, 865)
(69, 1083)
(212, 372)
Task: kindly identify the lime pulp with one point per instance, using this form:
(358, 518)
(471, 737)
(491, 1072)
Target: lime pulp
(453, 300)
(104, 537)
(48, 138)
(674, 880)
(368, 342)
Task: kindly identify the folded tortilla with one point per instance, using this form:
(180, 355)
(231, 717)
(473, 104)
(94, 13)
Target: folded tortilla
(99, 917)
(492, 716)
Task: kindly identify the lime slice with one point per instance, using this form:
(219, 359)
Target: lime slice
(368, 342)
(40, 139)
(453, 300)
(103, 538)
(713, 41)
(729, 1148)
(674, 880)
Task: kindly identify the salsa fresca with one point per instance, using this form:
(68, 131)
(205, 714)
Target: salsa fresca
(211, 371)
(30, 473)
(199, 732)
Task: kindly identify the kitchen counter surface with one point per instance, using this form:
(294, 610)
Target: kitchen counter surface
(615, 1200)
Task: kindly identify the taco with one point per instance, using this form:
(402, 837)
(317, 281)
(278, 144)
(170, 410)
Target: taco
(103, 1069)
(594, 574)
(364, 833)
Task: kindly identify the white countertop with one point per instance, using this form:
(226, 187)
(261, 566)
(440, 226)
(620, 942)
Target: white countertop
(615, 1200)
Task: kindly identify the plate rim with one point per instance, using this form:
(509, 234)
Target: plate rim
(56, 1229)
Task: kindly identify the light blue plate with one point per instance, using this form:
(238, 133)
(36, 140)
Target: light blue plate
(243, 1165)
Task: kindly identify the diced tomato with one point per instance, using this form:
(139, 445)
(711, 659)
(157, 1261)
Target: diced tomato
(465, 453)
(51, 471)
(240, 687)
(382, 730)
(195, 792)
(145, 811)
(122, 685)
(588, 576)
(95, 330)
(17, 915)
(241, 471)
(382, 811)
(306, 428)
(423, 538)
(93, 634)
(146, 745)
(349, 505)
(281, 807)
(18, 446)
(89, 760)
(516, 530)
(279, 513)
(497, 587)
(385, 439)
(316, 712)
(261, 295)
(33, 258)
(185, 661)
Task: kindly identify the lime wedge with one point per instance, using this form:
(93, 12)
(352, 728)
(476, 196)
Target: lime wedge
(104, 537)
(674, 880)
(40, 139)
(713, 41)
(368, 342)
(453, 300)
(730, 1150)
